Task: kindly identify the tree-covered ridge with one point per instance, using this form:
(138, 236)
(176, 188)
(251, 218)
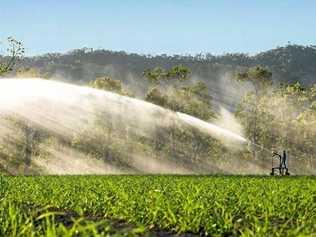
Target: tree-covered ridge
(273, 115)
(288, 64)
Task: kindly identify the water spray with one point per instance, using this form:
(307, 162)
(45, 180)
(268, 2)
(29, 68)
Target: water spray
(64, 108)
(212, 129)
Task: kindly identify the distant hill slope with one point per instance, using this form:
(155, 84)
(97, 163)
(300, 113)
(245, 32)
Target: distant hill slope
(288, 64)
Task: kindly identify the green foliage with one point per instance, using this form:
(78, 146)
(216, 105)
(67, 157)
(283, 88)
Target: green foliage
(174, 75)
(188, 100)
(198, 89)
(3, 187)
(179, 73)
(206, 205)
(259, 77)
(155, 75)
(23, 220)
(109, 84)
(173, 90)
(106, 83)
(284, 118)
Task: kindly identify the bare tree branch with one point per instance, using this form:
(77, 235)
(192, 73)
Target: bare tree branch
(16, 51)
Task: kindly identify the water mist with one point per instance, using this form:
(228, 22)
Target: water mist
(64, 109)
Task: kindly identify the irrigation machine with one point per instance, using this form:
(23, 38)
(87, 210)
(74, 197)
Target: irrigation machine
(282, 168)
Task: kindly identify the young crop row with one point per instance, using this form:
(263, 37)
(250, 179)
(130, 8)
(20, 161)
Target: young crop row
(101, 205)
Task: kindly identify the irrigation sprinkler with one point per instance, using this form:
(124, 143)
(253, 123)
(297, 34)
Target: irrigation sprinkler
(282, 168)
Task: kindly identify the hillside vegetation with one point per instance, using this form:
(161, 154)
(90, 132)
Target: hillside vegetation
(274, 116)
(289, 64)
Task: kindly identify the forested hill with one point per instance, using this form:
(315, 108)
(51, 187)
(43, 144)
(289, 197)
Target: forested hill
(288, 64)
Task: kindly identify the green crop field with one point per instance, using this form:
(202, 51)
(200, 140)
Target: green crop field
(157, 205)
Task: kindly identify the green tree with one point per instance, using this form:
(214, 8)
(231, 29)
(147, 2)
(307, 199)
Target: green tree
(259, 77)
(173, 76)
(173, 90)
(261, 80)
(178, 73)
(109, 84)
(155, 76)
(159, 80)
(197, 100)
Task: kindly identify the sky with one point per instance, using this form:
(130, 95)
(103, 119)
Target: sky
(158, 26)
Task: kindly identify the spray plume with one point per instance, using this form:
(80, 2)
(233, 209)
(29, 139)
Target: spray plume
(212, 129)
(64, 109)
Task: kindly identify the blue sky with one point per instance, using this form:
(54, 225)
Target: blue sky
(158, 26)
